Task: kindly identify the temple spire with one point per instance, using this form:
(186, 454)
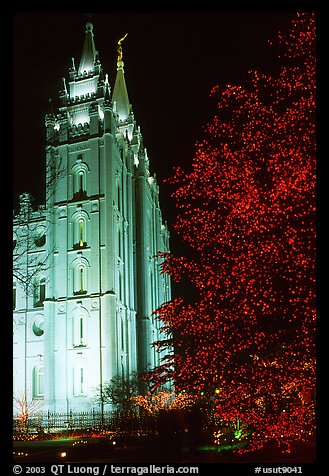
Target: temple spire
(89, 51)
(120, 94)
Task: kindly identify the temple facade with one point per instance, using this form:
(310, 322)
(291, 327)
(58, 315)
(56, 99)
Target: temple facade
(86, 275)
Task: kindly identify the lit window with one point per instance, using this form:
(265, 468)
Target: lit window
(80, 279)
(79, 233)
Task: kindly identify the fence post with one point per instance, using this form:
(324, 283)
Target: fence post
(71, 420)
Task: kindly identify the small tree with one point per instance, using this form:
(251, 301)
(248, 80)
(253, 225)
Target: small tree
(24, 408)
(162, 400)
(119, 392)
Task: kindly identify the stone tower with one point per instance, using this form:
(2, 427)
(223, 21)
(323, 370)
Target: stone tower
(92, 260)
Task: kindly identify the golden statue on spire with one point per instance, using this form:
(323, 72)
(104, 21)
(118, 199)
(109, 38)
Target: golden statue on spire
(120, 47)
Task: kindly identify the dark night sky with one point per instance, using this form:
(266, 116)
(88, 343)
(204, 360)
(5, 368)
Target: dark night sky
(171, 62)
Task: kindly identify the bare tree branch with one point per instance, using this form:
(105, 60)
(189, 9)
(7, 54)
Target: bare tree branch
(31, 227)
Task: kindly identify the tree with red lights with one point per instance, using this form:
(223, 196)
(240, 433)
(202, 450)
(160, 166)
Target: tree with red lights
(246, 209)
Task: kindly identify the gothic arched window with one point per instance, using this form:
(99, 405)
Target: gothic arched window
(14, 241)
(80, 276)
(79, 170)
(79, 229)
(79, 379)
(121, 286)
(80, 178)
(80, 233)
(122, 331)
(79, 330)
(37, 382)
(14, 295)
(119, 244)
(39, 291)
(80, 279)
(119, 199)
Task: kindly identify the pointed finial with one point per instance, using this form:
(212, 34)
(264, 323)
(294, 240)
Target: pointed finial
(120, 47)
(50, 108)
(89, 26)
(87, 62)
(64, 86)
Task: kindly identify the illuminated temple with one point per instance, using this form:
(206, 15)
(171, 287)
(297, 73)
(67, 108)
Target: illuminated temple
(86, 277)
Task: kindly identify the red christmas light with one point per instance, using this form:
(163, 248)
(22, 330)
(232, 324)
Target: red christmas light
(247, 210)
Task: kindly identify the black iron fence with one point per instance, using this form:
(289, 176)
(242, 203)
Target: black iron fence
(92, 421)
